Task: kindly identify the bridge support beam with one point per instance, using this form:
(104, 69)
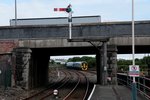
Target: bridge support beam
(101, 60)
(21, 58)
(39, 69)
(99, 68)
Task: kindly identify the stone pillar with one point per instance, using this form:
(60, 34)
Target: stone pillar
(112, 65)
(21, 70)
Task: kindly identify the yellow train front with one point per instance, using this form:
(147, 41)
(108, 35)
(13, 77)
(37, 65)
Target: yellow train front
(82, 65)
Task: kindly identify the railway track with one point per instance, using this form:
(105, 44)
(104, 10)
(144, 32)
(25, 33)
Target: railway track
(49, 90)
(73, 86)
(80, 90)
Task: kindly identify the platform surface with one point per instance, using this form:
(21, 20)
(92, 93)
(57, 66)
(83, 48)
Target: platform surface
(113, 93)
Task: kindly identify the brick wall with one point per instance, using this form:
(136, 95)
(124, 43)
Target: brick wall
(6, 46)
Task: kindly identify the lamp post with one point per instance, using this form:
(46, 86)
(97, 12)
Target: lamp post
(133, 47)
(15, 12)
(134, 91)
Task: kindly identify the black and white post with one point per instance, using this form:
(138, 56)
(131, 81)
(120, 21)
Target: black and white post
(69, 11)
(70, 24)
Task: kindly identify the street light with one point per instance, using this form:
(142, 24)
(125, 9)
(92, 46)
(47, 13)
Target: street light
(134, 91)
(133, 40)
(15, 12)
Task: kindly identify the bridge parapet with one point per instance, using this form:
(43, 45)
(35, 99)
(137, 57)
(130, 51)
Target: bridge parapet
(49, 36)
(112, 29)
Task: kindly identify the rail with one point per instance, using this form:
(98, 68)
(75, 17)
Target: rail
(143, 85)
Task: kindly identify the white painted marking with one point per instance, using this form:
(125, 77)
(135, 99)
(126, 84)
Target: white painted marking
(92, 92)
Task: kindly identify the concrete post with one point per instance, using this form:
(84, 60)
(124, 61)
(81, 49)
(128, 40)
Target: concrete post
(101, 60)
(104, 50)
(22, 62)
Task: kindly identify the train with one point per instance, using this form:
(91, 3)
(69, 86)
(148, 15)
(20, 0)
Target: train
(77, 20)
(81, 65)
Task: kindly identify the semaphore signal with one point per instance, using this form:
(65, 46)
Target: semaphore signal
(69, 11)
(59, 9)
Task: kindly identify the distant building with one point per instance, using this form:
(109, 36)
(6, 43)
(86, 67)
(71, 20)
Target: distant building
(60, 61)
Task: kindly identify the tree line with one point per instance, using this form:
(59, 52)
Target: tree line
(90, 60)
(122, 64)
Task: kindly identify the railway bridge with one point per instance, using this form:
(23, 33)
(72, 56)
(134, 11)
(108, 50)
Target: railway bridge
(25, 50)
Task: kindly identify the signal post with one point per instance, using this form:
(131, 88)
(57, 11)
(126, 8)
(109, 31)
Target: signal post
(69, 11)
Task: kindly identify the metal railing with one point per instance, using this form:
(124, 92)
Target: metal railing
(143, 83)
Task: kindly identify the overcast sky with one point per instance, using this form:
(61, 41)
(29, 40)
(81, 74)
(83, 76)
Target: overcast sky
(109, 10)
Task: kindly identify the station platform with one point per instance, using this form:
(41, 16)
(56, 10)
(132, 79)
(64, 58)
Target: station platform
(112, 93)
